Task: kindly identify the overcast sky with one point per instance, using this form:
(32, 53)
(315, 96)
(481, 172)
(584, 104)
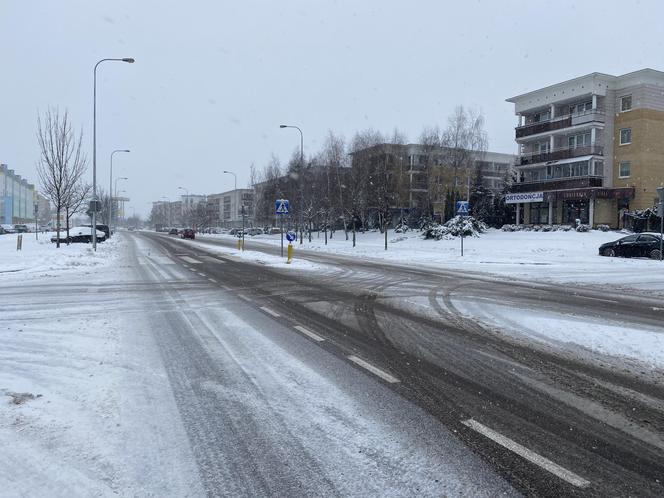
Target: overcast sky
(214, 79)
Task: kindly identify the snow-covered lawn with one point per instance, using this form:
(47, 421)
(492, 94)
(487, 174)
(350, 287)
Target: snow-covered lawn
(41, 258)
(561, 257)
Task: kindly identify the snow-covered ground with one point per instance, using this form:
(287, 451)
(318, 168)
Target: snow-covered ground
(39, 258)
(561, 257)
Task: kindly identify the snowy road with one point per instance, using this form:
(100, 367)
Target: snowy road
(189, 370)
(551, 417)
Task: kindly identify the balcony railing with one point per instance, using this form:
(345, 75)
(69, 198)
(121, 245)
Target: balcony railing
(560, 122)
(562, 153)
(558, 184)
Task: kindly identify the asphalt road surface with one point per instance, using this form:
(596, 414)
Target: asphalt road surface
(524, 419)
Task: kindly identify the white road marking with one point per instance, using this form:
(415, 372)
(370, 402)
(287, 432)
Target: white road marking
(309, 333)
(202, 274)
(190, 260)
(374, 370)
(270, 312)
(242, 296)
(600, 299)
(212, 259)
(529, 455)
(212, 280)
(226, 287)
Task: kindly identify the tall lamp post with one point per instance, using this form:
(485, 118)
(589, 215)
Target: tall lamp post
(94, 145)
(241, 203)
(110, 189)
(116, 193)
(301, 175)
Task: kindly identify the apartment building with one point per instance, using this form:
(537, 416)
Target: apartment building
(17, 197)
(421, 175)
(226, 208)
(589, 148)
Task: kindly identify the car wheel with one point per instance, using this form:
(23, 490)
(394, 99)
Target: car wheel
(610, 252)
(654, 254)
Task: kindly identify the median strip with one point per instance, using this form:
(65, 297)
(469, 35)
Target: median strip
(309, 333)
(374, 370)
(529, 455)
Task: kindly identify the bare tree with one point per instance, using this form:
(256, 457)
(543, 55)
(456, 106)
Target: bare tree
(464, 141)
(62, 161)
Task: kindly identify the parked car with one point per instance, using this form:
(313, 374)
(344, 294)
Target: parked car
(2, 230)
(8, 228)
(21, 228)
(103, 228)
(188, 233)
(253, 231)
(173, 231)
(640, 245)
(274, 230)
(79, 234)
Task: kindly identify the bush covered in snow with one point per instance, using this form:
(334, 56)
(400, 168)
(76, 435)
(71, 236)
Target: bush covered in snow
(455, 227)
(401, 228)
(603, 228)
(542, 228)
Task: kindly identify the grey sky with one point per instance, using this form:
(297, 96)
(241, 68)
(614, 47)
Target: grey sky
(214, 79)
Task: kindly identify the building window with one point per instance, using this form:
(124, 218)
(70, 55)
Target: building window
(625, 136)
(625, 103)
(624, 169)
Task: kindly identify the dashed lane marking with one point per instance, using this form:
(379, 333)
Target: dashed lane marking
(600, 299)
(212, 280)
(242, 296)
(191, 260)
(202, 274)
(309, 333)
(226, 287)
(531, 456)
(270, 312)
(374, 370)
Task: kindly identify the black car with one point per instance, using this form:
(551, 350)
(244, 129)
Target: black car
(188, 233)
(640, 245)
(101, 228)
(173, 231)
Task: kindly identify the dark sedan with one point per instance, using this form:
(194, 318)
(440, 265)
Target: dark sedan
(188, 233)
(642, 245)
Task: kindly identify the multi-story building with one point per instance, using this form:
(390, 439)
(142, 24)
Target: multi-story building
(226, 208)
(589, 148)
(16, 197)
(420, 176)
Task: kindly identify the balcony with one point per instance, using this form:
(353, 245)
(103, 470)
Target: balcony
(560, 122)
(562, 153)
(557, 184)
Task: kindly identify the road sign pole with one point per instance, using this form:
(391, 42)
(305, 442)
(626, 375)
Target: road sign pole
(660, 211)
(281, 218)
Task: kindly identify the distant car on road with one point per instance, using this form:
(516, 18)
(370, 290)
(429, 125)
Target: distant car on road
(640, 245)
(21, 228)
(188, 233)
(173, 231)
(8, 228)
(79, 234)
(253, 231)
(274, 230)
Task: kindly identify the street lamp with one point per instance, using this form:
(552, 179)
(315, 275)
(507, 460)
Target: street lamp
(110, 189)
(94, 146)
(241, 202)
(116, 190)
(301, 175)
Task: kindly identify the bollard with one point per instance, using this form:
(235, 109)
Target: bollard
(19, 242)
(290, 254)
(239, 244)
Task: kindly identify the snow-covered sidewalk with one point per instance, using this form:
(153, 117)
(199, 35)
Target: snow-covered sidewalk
(557, 257)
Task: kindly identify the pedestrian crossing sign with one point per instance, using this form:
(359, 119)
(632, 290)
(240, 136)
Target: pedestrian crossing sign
(462, 208)
(281, 206)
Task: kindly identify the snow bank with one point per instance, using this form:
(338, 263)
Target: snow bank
(41, 258)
